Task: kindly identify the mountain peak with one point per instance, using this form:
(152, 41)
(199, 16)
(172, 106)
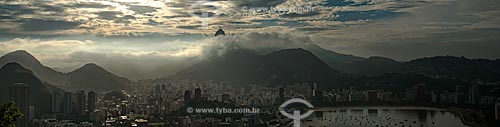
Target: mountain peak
(21, 51)
(280, 67)
(294, 54)
(92, 67)
(29, 62)
(20, 55)
(95, 77)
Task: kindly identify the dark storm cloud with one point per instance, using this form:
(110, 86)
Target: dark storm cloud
(179, 15)
(15, 10)
(293, 15)
(52, 8)
(6, 17)
(205, 7)
(188, 27)
(142, 9)
(338, 3)
(258, 3)
(366, 15)
(237, 22)
(108, 15)
(314, 29)
(200, 13)
(47, 25)
(86, 5)
(279, 22)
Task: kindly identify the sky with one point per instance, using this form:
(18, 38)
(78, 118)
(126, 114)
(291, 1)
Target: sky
(146, 34)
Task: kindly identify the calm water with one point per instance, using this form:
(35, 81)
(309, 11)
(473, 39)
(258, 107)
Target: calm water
(382, 117)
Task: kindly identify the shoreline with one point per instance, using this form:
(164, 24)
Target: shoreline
(456, 111)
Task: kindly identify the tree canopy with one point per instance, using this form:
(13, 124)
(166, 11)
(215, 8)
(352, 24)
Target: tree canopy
(9, 113)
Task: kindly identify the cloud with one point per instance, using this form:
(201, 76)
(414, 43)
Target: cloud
(130, 64)
(34, 25)
(394, 28)
(258, 3)
(135, 60)
(292, 15)
(133, 18)
(126, 58)
(15, 10)
(108, 15)
(86, 5)
(37, 44)
(366, 15)
(461, 27)
(258, 41)
(142, 9)
(45, 49)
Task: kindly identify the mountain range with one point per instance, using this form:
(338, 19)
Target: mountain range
(27, 60)
(89, 76)
(309, 64)
(451, 67)
(285, 66)
(339, 70)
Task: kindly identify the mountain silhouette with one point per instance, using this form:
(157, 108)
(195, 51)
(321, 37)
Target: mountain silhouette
(450, 67)
(374, 66)
(27, 60)
(456, 67)
(89, 76)
(300, 65)
(280, 67)
(13, 72)
(333, 59)
(92, 76)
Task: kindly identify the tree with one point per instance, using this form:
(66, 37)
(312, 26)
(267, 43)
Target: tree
(9, 113)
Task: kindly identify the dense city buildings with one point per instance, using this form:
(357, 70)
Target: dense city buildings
(80, 102)
(91, 101)
(187, 97)
(197, 95)
(165, 102)
(68, 103)
(474, 94)
(56, 102)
